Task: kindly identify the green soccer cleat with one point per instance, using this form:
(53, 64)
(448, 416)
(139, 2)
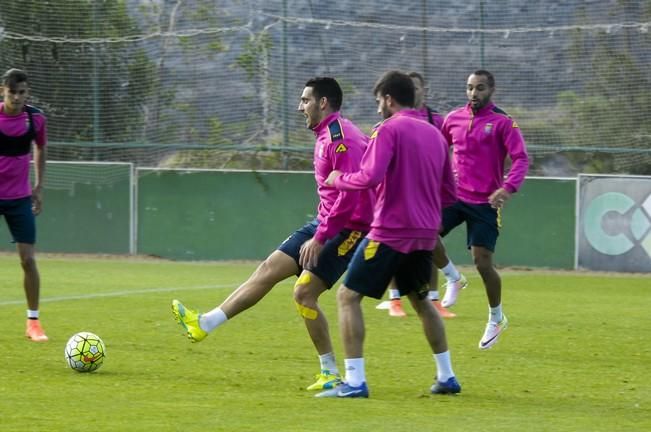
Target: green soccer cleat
(325, 381)
(189, 320)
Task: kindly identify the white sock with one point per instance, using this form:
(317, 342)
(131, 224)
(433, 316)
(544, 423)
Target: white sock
(32, 314)
(394, 294)
(495, 314)
(443, 366)
(213, 319)
(451, 273)
(355, 374)
(328, 363)
(434, 295)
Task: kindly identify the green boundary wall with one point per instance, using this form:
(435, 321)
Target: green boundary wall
(233, 215)
(206, 215)
(537, 227)
(86, 209)
(220, 215)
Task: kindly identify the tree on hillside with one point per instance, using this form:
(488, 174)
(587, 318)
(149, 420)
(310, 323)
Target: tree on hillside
(615, 80)
(92, 91)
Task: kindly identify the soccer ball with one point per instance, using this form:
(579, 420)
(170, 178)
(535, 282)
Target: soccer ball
(85, 352)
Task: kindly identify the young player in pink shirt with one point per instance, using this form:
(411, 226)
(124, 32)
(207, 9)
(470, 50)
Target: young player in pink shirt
(20, 126)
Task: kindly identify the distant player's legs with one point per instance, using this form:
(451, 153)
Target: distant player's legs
(497, 322)
(441, 261)
(22, 225)
(31, 277)
(483, 259)
(395, 304)
(455, 281)
(32, 287)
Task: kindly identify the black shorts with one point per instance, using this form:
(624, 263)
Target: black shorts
(335, 256)
(482, 223)
(20, 219)
(375, 264)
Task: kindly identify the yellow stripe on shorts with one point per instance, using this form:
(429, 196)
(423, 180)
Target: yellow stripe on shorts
(371, 249)
(349, 243)
(499, 218)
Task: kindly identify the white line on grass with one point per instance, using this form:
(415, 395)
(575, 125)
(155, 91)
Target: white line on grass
(118, 294)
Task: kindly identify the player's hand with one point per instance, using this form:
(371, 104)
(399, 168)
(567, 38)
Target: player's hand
(332, 177)
(309, 254)
(499, 198)
(37, 200)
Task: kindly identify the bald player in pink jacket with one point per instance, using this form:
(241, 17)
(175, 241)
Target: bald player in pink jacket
(482, 136)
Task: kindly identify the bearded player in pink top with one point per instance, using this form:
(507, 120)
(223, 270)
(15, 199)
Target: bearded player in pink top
(407, 162)
(319, 252)
(482, 136)
(20, 126)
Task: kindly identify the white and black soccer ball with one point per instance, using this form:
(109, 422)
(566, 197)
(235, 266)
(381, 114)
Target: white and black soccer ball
(85, 352)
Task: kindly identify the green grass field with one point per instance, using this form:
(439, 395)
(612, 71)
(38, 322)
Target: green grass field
(576, 357)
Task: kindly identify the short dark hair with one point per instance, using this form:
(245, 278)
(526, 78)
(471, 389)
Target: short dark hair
(489, 76)
(328, 88)
(13, 77)
(418, 76)
(398, 85)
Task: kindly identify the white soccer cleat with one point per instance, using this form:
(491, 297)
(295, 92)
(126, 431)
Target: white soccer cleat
(452, 291)
(492, 333)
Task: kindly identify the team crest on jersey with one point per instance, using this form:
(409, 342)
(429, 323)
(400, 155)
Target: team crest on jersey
(488, 128)
(341, 148)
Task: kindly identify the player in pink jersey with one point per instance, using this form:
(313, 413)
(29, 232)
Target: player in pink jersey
(407, 162)
(319, 252)
(21, 125)
(482, 136)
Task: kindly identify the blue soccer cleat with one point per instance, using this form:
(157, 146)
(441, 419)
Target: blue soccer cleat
(451, 386)
(346, 391)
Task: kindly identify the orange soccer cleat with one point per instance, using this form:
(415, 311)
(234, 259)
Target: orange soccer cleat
(34, 331)
(395, 308)
(443, 311)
